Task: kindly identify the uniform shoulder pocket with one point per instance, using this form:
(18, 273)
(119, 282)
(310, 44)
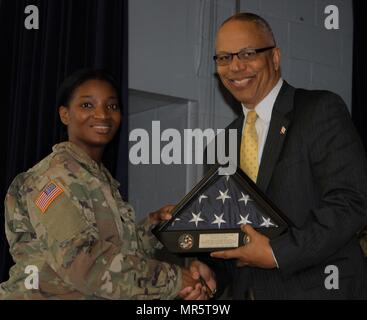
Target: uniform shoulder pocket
(55, 209)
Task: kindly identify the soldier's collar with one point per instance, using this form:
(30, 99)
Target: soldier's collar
(81, 156)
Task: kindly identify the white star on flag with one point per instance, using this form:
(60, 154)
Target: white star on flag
(266, 223)
(219, 220)
(196, 218)
(177, 219)
(244, 220)
(223, 196)
(244, 198)
(203, 196)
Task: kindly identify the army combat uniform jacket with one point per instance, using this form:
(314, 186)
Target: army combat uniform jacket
(65, 218)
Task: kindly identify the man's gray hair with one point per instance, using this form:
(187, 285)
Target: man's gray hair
(252, 17)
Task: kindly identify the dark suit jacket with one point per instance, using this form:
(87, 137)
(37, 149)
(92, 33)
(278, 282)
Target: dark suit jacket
(316, 173)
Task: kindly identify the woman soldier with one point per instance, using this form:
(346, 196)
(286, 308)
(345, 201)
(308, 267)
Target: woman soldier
(65, 217)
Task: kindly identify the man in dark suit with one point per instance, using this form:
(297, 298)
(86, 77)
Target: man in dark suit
(301, 149)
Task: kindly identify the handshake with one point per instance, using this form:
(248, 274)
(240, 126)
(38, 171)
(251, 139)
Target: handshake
(198, 282)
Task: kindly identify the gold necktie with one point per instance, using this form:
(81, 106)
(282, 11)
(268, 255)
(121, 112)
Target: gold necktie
(250, 147)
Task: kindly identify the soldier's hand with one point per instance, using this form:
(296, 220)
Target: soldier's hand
(197, 293)
(202, 272)
(162, 214)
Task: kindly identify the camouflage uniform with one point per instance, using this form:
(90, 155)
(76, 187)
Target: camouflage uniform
(83, 238)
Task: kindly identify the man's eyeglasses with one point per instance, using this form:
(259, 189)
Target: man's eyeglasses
(224, 59)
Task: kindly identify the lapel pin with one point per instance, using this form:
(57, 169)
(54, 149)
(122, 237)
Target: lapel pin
(283, 130)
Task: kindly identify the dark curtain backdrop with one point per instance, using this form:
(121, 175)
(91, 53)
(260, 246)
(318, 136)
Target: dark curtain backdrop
(72, 34)
(359, 101)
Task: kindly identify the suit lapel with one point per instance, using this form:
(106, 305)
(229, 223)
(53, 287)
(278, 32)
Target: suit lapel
(278, 130)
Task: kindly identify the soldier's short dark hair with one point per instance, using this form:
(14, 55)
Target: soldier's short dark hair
(73, 81)
(252, 17)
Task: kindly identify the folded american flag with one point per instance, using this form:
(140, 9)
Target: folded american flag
(220, 204)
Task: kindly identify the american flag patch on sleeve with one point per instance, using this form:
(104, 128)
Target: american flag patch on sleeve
(48, 195)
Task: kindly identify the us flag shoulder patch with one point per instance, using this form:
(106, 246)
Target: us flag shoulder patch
(48, 195)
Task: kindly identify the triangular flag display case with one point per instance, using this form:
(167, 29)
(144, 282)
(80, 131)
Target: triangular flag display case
(209, 217)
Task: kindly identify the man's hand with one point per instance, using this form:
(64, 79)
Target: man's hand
(257, 253)
(162, 214)
(202, 290)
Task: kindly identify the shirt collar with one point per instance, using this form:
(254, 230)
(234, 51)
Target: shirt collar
(265, 106)
(86, 161)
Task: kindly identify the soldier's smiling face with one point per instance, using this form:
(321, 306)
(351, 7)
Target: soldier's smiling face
(93, 115)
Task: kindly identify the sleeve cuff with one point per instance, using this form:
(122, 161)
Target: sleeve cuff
(275, 259)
